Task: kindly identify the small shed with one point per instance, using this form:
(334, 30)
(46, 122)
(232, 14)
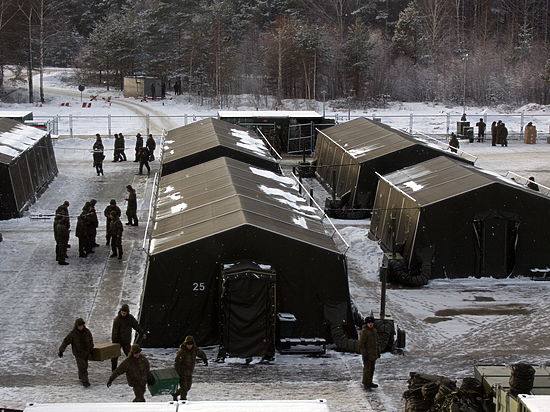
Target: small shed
(139, 86)
(27, 166)
(454, 220)
(287, 130)
(208, 139)
(348, 156)
(224, 211)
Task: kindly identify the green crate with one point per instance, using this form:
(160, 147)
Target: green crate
(166, 382)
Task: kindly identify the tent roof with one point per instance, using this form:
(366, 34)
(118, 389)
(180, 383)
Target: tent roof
(224, 194)
(268, 113)
(209, 133)
(365, 139)
(441, 178)
(15, 138)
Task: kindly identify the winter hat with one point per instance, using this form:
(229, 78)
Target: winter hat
(134, 349)
(125, 308)
(93, 202)
(189, 340)
(79, 322)
(369, 319)
(113, 202)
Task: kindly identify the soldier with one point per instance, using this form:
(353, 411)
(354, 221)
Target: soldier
(131, 209)
(532, 185)
(144, 160)
(122, 146)
(454, 143)
(62, 211)
(498, 132)
(82, 232)
(481, 130)
(112, 207)
(94, 223)
(82, 343)
(115, 230)
(185, 364)
(122, 331)
(138, 373)
(139, 145)
(368, 345)
(494, 133)
(503, 135)
(151, 145)
(116, 151)
(61, 235)
(98, 154)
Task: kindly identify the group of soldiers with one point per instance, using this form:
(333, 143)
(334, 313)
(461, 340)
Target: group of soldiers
(499, 134)
(143, 154)
(135, 366)
(87, 224)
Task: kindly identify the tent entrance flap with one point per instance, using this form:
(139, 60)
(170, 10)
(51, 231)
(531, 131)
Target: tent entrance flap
(496, 244)
(247, 309)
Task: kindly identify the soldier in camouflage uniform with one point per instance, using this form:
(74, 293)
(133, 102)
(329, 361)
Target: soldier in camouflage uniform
(185, 364)
(115, 230)
(112, 207)
(368, 345)
(122, 331)
(94, 223)
(138, 373)
(82, 232)
(61, 234)
(62, 211)
(82, 343)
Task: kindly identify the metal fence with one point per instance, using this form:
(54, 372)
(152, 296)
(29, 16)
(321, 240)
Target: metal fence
(441, 124)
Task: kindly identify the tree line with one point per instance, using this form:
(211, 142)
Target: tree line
(359, 51)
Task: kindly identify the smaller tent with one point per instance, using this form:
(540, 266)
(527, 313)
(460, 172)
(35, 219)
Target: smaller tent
(212, 215)
(348, 156)
(27, 166)
(451, 219)
(209, 139)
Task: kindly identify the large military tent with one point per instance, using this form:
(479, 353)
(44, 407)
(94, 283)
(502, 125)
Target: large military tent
(210, 216)
(348, 156)
(209, 139)
(27, 166)
(456, 220)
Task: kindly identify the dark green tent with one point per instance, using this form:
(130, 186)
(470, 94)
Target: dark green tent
(456, 220)
(226, 211)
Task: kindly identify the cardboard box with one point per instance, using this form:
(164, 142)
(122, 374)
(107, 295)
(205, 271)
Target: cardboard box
(166, 382)
(104, 351)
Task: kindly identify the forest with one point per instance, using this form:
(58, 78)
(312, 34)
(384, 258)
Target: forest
(364, 52)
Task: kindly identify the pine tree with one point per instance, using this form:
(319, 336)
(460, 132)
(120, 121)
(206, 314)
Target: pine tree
(407, 36)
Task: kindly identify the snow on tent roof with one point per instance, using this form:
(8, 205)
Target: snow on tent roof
(441, 178)
(268, 113)
(14, 113)
(366, 139)
(15, 138)
(223, 194)
(208, 133)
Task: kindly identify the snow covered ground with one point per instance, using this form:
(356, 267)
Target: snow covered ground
(451, 325)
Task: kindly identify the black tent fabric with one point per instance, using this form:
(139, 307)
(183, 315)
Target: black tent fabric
(348, 156)
(247, 309)
(27, 166)
(226, 211)
(209, 139)
(462, 221)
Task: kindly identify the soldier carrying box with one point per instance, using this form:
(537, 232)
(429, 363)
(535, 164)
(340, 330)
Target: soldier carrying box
(122, 331)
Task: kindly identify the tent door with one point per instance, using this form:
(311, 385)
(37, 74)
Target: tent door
(247, 314)
(496, 246)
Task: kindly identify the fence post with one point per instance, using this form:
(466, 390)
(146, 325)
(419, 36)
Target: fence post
(185, 119)
(147, 123)
(521, 124)
(71, 125)
(109, 124)
(411, 121)
(448, 122)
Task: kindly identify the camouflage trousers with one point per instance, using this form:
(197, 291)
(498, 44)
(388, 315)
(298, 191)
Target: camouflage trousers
(139, 392)
(82, 365)
(368, 371)
(185, 385)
